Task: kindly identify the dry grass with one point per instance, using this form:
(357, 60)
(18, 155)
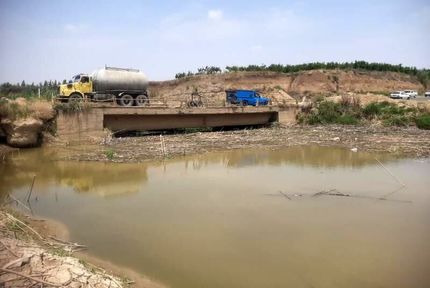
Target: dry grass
(350, 101)
(29, 259)
(42, 110)
(22, 108)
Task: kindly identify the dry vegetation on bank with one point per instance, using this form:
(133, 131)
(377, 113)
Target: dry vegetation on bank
(350, 111)
(22, 108)
(411, 142)
(31, 259)
(22, 121)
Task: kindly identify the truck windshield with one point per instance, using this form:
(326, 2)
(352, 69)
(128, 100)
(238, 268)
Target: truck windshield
(76, 78)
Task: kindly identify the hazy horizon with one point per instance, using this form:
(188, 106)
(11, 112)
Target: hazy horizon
(53, 40)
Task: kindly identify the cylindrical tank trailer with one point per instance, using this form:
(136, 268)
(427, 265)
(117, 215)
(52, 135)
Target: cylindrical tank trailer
(127, 86)
(114, 79)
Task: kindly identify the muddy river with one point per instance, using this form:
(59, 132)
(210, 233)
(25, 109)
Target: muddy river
(296, 217)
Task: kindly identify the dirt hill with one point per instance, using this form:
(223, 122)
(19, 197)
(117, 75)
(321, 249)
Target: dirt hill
(284, 88)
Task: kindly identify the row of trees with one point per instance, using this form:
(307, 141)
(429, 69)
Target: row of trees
(48, 89)
(359, 65)
(422, 74)
(200, 71)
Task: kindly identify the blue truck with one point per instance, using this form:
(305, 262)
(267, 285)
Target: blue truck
(246, 97)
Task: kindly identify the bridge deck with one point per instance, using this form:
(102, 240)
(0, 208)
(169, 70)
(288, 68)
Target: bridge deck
(129, 118)
(117, 118)
(118, 110)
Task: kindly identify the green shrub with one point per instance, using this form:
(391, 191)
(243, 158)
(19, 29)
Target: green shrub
(3, 106)
(72, 107)
(347, 120)
(313, 119)
(423, 121)
(397, 120)
(328, 111)
(109, 154)
(349, 112)
(385, 110)
(372, 109)
(394, 110)
(301, 118)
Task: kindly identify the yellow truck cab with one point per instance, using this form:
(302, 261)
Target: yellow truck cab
(78, 88)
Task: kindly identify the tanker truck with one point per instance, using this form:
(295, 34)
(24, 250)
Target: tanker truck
(127, 87)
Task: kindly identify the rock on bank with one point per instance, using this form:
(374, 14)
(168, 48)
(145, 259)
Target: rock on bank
(22, 121)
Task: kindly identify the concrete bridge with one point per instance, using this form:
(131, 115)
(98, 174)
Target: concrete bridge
(95, 120)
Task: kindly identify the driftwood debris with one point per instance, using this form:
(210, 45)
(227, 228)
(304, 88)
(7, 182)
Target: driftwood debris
(334, 192)
(8, 249)
(285, 195)
(323, 192)
(19, 202)
(31, 189)
(23, 224)
(30, 278)
(73, 247)
(21, 261)
(389, 172)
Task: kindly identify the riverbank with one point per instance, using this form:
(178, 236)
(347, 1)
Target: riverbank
(35, 252)
(408, 142)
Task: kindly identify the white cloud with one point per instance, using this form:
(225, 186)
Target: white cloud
(186, 28)
(215, 14)
(73, 28)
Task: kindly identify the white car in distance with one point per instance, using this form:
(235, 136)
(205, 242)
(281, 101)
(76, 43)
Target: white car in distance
(411, 93)
(400, 95)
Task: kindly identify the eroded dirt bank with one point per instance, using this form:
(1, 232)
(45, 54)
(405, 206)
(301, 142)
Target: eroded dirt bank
(284, 87)
(33, 253)
(410, 142)
(23, 122)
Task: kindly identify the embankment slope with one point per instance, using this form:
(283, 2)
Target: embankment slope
(285, 88)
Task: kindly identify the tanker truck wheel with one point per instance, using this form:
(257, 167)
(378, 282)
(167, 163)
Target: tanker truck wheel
(142, 100)
(126, 100)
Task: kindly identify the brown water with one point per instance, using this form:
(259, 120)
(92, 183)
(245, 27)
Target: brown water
(219, 220)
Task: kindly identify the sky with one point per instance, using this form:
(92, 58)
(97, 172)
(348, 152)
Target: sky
(54, 40)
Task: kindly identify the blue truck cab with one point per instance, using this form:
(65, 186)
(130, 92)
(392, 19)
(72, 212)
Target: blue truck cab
(246, 97)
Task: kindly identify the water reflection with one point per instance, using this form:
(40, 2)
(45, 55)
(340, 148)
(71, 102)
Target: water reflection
(99, 178)
(315, 156)
(110, 179)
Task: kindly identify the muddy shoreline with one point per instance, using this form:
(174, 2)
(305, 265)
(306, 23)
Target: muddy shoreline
(404, 142)
(19, 240)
